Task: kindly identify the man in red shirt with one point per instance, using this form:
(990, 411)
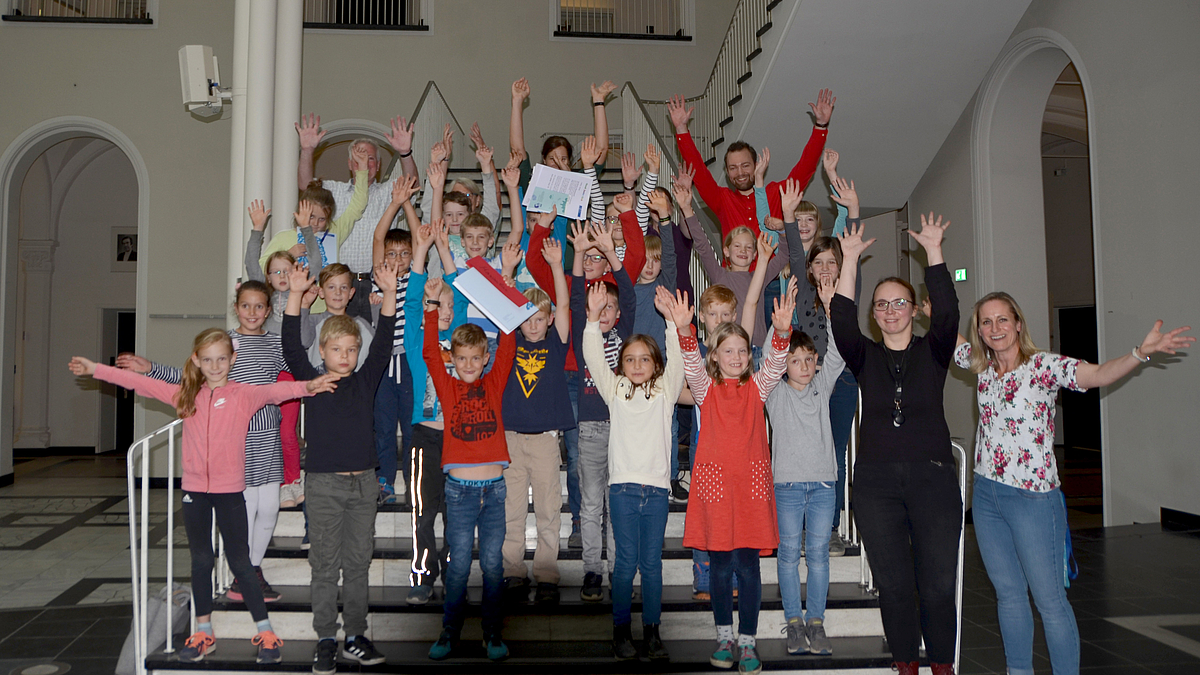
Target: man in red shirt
(734, 205)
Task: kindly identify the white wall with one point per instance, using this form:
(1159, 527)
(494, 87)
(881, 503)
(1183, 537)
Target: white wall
(1137, 68)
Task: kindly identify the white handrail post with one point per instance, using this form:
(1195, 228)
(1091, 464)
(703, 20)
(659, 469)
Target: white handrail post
(139, 642)
(963, 474)
(170, 541)
(144, 581)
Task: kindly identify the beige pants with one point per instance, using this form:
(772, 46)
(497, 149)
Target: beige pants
(534, 460)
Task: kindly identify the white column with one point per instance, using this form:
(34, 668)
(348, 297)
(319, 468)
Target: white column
(238, 220)
(37, 266)
(260, 107)
(289, 42)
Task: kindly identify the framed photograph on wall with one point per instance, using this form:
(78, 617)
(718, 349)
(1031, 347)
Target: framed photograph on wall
(123, 249)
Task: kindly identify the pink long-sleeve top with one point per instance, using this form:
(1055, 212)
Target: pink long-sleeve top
(214, 438)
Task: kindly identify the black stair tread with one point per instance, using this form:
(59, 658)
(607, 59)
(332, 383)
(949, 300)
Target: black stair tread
(400, 548)
(401, 507)
(391, 600)
(581, 656)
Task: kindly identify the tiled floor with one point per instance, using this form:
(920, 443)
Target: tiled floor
(64, 590)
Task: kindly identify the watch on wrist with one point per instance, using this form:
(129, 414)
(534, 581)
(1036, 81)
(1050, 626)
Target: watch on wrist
(1139, 358)
(435, 303)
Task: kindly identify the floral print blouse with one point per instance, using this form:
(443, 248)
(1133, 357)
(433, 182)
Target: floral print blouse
(1015, 442)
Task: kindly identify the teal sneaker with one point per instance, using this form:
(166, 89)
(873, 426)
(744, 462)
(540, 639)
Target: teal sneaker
(748, 660)
(444, 646)
(496, 649)
(723, 657)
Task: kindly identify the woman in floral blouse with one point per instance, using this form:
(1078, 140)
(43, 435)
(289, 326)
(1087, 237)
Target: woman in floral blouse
(1019, 514)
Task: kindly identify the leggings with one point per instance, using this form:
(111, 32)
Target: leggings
(198, 508)
(262, 512)
(723, 566)
(288, 436)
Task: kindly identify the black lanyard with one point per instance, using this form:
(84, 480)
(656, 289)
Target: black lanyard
(897, 372)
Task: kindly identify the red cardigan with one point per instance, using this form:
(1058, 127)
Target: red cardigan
(474, 429)
(733, 208)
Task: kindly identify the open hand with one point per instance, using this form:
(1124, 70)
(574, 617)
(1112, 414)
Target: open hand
(931, 234)
(476, 136)
(826, 287)
(403, 189)
(630, 170)
(579, 237)
(589, 151)
(597, 299)
(298, 278)
(660, 203)
(546, 220)
(602, 236)
(830, 160)
(760, 167)
(401, 137)
(680, 113)
(258, 215)
(823, 109)
(309, 128)
(441, 234)
(766, 247)
(785, 306)
(552, 252)
(324, 384)
(623, 202)
(652, 158)
(674, 308)
(852, 243)
(134, 363)
(511, 254)
(304, 212)
(511, 176)
(436, 174)
(1167, 343)
(484, 154)
(361, 157)
(790, 196)
(600, 93)
(385, 275)
(846, 195)
(81, 366)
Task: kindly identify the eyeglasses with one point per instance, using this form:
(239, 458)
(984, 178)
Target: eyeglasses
(594, 258)
(398, 254)
(282, 273)
(899, 304)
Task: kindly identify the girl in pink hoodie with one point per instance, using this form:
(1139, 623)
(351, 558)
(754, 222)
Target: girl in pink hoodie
(216, 415)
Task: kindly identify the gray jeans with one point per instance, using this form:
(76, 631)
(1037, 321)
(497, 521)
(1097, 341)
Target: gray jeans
(593, 492)
(341, 529)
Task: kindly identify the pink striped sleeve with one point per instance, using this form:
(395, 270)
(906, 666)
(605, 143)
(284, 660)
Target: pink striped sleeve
(774, 364)
(693, 368)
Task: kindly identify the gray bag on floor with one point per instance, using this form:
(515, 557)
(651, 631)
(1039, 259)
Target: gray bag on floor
(156, 619)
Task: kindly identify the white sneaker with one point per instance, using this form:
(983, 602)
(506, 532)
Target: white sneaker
(290, 495)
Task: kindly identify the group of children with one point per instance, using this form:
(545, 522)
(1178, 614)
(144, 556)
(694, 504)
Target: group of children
(601, 365)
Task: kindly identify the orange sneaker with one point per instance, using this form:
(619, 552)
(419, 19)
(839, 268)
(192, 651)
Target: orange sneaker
(197, 646)
(268, 647)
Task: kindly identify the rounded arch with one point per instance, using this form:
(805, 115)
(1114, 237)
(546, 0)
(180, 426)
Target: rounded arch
(14, 163)
(1009, 216)
(343, 131)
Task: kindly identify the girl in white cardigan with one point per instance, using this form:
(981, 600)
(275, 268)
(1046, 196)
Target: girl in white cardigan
(641, 401)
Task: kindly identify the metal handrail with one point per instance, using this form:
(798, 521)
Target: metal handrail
(429, 118)
(139, 547)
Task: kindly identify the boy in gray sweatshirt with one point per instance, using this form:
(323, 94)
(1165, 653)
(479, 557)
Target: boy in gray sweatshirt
(805, 475)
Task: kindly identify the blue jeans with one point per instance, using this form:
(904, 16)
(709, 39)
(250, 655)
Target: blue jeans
(393, 404)
(674, 447)
(842, 404)
(639, 523)
(724, 565)
(1022, 537)
(572, 441)
(470, 504)
(804, 508)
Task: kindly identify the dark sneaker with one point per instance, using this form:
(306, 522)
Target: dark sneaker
(516, 589)
(748, 662)
(268, 644)
(679, 494)
(723, 657)
(304, 543)
(547, 594)
(592, 590)
(325, 658)
(419, 595)
(360, 649)
(818, 643)
(195, 648)
(496, 649)
(387, 492)
(444, 646)
(623, 649)
(837, 545)
(797, 638)
(234, 593)
(655, 649)
(269, 594)
(575, 540)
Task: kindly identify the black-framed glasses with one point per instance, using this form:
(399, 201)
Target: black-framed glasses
(593, 258)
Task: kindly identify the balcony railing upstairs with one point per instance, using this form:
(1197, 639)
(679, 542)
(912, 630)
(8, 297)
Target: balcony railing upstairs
(391, 15)
(669, 20)
(134, 12)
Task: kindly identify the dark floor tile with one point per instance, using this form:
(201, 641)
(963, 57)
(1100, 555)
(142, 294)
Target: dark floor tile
(970, 667)
(1146, 651)
(93, 647)
(109, 628)
(975, 636)
(1175, 668)
(991, 658)
(122, 610)
(1102, 607)
(1101, 630)
(29, 648)
(1129, 669)
(1189, 632)
(1094, 656)
(68, 629)
(82, 666)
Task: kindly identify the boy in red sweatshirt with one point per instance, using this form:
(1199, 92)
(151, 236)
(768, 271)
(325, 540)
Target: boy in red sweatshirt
(474, 454)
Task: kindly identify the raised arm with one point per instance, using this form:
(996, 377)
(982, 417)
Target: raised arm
(309, 128)
(401, 140)
(589, 153)
(680, 313)
(490, 205)
(343, 224)
(642, 205)
(774, 362)
(403, 188)
(1089, 375)
(258, 224)
(600, 118)
(668, 277)
(757, 280)
(553, 253)
(830, 160)
(516, 121)
(704, 181)
(704, 250)
(593, 344)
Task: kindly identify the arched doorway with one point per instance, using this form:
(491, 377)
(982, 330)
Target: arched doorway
(1007, 149)
(81, 143)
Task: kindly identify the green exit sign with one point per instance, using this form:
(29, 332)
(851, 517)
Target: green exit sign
(960, 274)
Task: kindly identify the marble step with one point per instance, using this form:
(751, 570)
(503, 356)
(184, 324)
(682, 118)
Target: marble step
(851, 656)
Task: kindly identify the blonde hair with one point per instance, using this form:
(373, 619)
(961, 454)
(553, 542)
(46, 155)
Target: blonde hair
(192, 378)
(333, 270)
(740, 229)
(468, 335)
(653, 246)
(722, 333)
(478, 220)
(337, 326)
(808, 208)
(981, 354)
(541, 299)
(280, 255)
